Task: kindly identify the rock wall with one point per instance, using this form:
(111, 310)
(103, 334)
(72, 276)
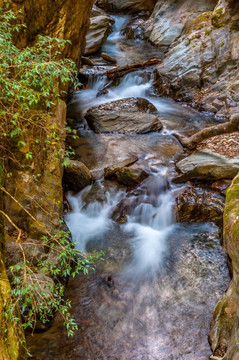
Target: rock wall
(224, 331)
(201, 64)
(65, 19)
(42, 197)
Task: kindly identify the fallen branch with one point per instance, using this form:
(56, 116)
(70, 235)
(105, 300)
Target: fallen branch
(126, 69)
(226, 128)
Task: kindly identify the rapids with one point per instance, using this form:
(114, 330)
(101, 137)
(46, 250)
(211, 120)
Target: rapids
(154, 296)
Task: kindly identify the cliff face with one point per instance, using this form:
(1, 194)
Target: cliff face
(201, 64)
(64, 19)
(69, 20)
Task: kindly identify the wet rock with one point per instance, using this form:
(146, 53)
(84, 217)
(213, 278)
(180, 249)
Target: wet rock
(121, 211)
(124, 116)
(129, 176)
(135, 29)
(198, 205)
(207, 165)
(100, 28)
(77, 175)
(108, 58)
(124, 208)
(111, 170)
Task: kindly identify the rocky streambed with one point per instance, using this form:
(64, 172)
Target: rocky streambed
(154, 296)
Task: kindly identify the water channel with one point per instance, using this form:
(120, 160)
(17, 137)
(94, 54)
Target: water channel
(154, 296)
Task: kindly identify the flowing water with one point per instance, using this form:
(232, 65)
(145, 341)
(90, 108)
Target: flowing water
(153, 298)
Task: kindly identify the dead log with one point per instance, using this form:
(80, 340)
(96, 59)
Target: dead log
(120, 71)
(226, 128)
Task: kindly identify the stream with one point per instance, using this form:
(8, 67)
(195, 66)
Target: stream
(153, 298)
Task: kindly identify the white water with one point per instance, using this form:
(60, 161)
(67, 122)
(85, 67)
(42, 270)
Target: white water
(147, 229)
(92, 221)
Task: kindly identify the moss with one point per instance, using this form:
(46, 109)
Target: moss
(11, 335)
(200, 22)
(219, 18)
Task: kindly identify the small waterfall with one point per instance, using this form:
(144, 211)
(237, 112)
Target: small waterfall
(90, 221)
(147, 229)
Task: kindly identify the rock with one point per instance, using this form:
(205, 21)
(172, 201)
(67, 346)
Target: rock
(135, 29)
(34, 252)
(221, 186)
(224, 329)
(169, 18)
(124, 116)
(122, 209)
(100, 28)
(111, 170)
(107, 57)
(203, 38)
(207, 165)
(130, 177)
(198, 205)
(87, 61)
(77, 175)
(127, 5)
(218, 104)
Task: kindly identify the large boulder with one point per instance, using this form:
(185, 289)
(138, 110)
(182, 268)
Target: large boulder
(124, 116)
(100, 28)
(77, 175)
(127, 5)
(207, 165)
(224, 330)
(198, 205)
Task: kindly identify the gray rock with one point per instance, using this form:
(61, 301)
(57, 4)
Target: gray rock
(207, 165)
(169, 19)
(124, 116)
(100, 28)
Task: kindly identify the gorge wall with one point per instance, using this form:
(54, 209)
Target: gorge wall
(201, 65)
(43, 199)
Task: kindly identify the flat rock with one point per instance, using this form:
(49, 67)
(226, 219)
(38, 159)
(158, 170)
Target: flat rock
(77, 175)
(207, 165)
(124, 116)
